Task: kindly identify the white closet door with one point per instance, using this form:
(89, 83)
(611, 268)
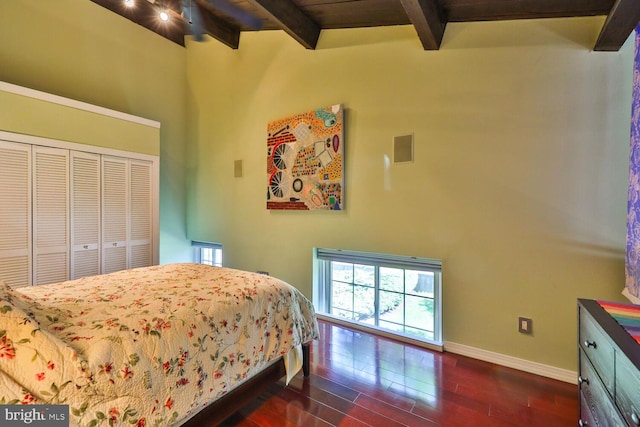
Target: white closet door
(115, 198)
(15, 213)
(50, 215)
(140, 208)
(85, 214)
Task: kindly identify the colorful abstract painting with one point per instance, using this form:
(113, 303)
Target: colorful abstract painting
(305, 161)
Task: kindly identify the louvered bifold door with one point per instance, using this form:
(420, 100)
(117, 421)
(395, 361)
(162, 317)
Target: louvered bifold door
(50, 215)
(85, 214)
(115, 198)
(15, 214)
(140, 236)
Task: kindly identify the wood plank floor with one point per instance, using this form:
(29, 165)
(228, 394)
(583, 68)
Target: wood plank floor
(359, 379)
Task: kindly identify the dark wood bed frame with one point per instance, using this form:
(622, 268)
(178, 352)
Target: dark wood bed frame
(228, 404)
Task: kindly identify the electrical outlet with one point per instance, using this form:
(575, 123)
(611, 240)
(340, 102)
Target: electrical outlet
(525, 325)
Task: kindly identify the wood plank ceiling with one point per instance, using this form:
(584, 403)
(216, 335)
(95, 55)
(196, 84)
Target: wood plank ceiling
(305, 19)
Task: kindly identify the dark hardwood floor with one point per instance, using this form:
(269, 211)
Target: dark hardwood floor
(359, 379)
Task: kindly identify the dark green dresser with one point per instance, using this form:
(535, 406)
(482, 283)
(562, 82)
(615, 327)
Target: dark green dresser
(609, 370)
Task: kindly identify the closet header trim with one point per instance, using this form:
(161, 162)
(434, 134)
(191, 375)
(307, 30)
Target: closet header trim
(79, 105)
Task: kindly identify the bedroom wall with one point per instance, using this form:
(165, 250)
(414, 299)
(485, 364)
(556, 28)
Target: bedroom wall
(79, 50)
(518, 184)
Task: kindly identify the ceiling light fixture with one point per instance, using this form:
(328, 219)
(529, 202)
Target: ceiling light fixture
(164, 15)
(129, 3)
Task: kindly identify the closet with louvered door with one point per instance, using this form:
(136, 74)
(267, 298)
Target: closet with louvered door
(115, 208)
(79, 195)
(140, 208)
(127, 204)
(66, 214)
(15, 213)
(85, 214)
(50, 215)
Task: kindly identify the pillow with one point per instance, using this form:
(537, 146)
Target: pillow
(35, 366)
(46, 313)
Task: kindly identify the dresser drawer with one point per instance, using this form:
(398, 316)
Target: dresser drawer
(598, 347)
(628, 389)
(586, 419)
(596, 407)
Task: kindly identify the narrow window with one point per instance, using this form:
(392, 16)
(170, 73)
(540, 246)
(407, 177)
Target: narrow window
(399, 295)
(207, 253)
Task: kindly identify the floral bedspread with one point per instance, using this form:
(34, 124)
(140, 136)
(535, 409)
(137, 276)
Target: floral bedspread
(145, 347)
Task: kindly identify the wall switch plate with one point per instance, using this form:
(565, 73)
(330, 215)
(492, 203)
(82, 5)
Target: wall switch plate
(525, 325)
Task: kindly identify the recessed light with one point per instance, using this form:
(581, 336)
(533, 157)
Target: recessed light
(164, 16)
(129, 3)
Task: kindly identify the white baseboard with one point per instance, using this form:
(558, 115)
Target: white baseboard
(513, 362)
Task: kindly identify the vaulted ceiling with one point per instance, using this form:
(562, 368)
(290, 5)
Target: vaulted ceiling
(305, 19)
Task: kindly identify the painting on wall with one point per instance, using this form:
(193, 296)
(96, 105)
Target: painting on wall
(305, 160)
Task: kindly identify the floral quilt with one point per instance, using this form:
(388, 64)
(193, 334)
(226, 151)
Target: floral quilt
(145, 347)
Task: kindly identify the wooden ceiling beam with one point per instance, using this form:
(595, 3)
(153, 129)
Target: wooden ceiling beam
(620, 23)
(426, 17)
(292, 20)
(218, 28)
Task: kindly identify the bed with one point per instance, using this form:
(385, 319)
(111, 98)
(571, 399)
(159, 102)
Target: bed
(169, 345)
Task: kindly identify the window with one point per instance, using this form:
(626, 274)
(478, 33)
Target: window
(397, 294)
(208, 253)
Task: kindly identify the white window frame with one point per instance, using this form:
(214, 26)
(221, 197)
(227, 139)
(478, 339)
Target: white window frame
(322, 292)
(202, 248)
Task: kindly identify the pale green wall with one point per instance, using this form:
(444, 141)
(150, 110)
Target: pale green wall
(79, 50)
(519, 180)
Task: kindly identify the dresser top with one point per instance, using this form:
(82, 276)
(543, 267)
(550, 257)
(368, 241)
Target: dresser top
(613, 329)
